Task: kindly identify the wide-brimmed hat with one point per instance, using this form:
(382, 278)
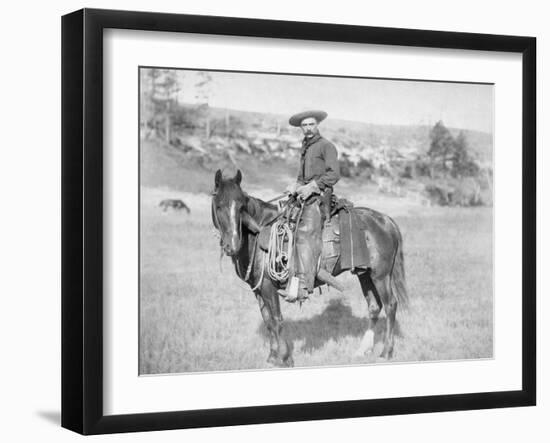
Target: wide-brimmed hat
(296, 119)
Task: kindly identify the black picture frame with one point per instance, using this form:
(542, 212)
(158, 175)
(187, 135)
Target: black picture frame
(82, 220)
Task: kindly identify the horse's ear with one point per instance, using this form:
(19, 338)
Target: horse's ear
(218, 178)
(238, 177)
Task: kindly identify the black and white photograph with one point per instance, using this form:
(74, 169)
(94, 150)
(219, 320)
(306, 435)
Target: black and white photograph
(275, 222)
(295, 221)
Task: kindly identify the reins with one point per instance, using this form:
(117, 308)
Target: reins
(278, 260)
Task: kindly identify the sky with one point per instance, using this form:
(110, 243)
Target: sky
(378, 101)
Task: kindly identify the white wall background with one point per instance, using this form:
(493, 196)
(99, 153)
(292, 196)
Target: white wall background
(30, 218)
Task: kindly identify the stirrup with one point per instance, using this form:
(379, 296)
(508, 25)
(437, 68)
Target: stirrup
(302, 295)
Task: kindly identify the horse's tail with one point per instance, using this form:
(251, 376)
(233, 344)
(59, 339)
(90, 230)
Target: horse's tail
(399, 286)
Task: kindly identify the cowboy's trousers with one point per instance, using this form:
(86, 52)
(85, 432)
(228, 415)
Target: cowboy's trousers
(309, 244)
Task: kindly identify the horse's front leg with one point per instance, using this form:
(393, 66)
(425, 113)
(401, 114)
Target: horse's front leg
(273, 343)
(280, 351)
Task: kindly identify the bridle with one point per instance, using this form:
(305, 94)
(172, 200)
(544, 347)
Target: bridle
(216, 221)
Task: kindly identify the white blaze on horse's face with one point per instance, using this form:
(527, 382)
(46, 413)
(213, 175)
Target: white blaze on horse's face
(234, 230)
(228, 200)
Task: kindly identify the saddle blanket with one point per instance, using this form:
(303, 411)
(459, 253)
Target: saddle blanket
(354, 253)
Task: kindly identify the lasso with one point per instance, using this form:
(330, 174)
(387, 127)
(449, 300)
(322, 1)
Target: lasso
(280, 250)
(281, 246)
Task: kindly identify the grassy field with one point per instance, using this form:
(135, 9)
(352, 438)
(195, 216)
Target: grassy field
(196, 315)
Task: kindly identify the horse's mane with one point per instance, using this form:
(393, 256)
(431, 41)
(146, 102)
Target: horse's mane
(258, 209)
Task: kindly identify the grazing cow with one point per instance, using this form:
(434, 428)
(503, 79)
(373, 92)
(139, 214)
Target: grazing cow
(175, 204)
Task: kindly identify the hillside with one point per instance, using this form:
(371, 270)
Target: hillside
(358, 136)
(267, 150)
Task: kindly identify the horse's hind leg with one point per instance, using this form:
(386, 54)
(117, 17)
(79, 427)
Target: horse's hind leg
(374, 305)
(390, 306)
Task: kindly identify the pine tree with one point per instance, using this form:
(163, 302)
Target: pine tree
(148, 104)
(202, 95)
(461, 158)
(167, 88)
(441, 148)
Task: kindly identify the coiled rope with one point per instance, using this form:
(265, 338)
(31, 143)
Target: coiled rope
(281, 245)
(280, 250)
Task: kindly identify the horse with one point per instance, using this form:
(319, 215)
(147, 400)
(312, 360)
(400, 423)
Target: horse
(175, 204)
(238, 218)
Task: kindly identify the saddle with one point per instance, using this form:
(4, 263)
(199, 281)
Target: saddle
(343, 237)
(344, 242)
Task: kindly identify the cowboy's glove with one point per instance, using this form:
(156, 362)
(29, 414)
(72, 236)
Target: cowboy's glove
(291, 189)
(305, 191)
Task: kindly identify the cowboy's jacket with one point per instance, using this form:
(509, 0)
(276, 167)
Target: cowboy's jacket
(319, 162)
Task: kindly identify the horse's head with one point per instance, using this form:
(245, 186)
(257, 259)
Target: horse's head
(229, 212)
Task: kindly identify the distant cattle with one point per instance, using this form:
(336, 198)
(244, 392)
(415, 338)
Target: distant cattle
(175, 204)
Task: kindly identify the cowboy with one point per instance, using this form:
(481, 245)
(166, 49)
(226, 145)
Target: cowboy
(319, 172)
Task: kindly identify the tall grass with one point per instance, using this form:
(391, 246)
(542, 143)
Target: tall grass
(196, 317)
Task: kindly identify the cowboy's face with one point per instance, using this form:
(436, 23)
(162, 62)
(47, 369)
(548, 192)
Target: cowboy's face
(309, 127)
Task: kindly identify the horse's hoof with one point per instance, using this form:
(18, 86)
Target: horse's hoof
(274, 360)
(367, 344)
(363, 354)
(280, 363)
(385, 356)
